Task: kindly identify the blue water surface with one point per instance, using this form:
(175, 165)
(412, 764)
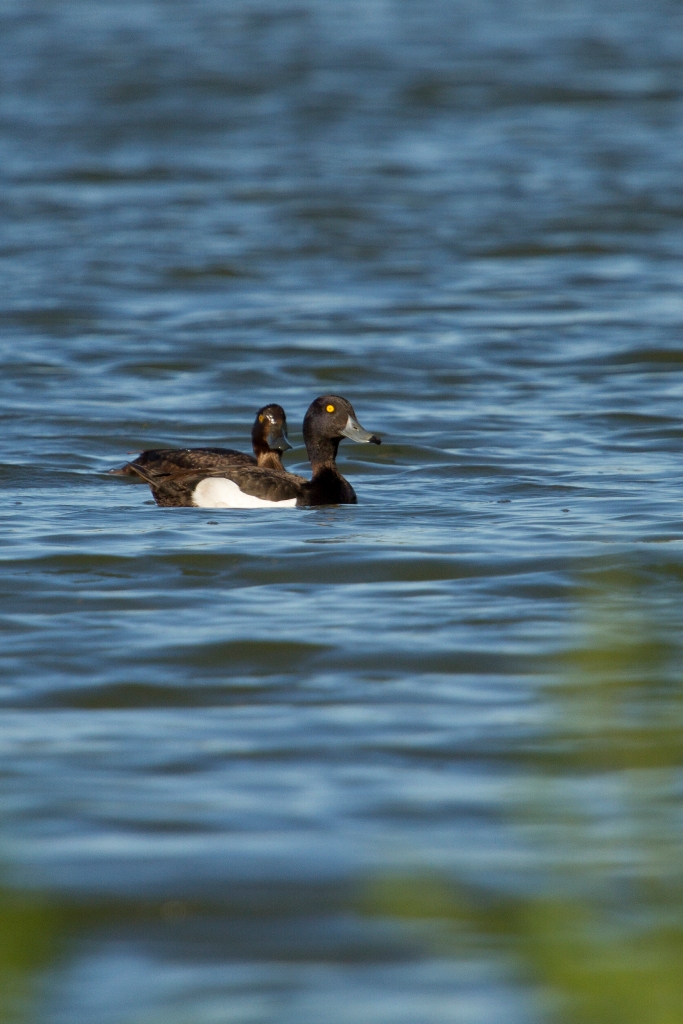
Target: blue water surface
(308, 765)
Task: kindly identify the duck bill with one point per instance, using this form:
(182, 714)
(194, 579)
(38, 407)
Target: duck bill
(355, 432)
(277, 440)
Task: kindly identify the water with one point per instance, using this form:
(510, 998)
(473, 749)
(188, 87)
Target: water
(416, 760)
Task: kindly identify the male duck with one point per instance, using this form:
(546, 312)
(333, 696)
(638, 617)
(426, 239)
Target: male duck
(328, 420)
(268, 438)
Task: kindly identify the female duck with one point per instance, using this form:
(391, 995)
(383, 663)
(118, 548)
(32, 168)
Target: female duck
(268, 438)
(327, 421)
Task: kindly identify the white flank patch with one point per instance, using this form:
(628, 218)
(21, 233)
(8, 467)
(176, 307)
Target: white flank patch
(217, 492)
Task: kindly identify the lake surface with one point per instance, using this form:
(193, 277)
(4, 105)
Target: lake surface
(415, 761)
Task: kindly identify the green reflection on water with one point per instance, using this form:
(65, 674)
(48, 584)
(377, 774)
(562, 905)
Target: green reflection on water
(599, 932)
(29, 937)
(600, 936)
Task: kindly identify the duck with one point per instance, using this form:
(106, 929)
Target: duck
(268, 438)
(328, 420)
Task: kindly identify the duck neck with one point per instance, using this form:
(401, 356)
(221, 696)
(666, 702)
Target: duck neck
(267, 459)
(322, 453)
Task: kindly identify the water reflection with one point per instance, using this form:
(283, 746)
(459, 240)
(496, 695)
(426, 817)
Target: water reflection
(30, 937)
(468, 218)
(599, 930)
(588, 930)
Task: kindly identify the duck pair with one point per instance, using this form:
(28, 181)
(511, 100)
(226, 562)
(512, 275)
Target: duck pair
(223, 478)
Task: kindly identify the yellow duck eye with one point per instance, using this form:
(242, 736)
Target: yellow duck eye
(329, 408)
(261, 419)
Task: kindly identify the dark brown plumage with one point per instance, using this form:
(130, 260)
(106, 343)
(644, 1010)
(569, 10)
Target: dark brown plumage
(269, 440)
(328, 419)
(177, 489)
